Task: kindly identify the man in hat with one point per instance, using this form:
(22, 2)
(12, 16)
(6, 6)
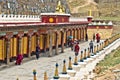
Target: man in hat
(91, 46)
(37, 51)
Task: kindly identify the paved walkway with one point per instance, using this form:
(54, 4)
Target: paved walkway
(86, 73)
(24, 71)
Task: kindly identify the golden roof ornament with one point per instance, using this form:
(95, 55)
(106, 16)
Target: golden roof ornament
(60, 8)
(59, 3)
(90, 12)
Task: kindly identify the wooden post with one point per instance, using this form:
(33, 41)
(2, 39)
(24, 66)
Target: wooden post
(64, 68)
(45, 39)
(57, 37)
(29, 39)
(97, 47)
(56, 76)
(102, 45)
(8, 51)
(88, 52)
(45, 76)
(8, 37)
(80, 34)
(17, 79)
(70, 64)
(38, 39)
(81, 56)
(94, 49)
(75, 60)
(34, 74)
(19, 44)
(62, 48)
(85, 54)
(50, 46)
(66, 39)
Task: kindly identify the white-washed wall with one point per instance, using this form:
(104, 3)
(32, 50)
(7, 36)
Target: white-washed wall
(75, 19)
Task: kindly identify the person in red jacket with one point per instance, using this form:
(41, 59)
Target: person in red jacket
(77, 48)
(98, 37)
(19, 59)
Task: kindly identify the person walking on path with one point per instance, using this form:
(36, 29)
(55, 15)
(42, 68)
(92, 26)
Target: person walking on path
(71, 44)
(37, 51)
(98, 37)
(94, 37)
(19, 59)
(91, 46)
(74, 43)
(77, 48)
(86, 37)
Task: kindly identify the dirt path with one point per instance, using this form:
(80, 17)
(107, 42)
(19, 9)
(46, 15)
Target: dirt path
(88, 2)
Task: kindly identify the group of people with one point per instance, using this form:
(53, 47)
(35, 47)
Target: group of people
(19, 57)
(74, 45)
(97, 36)
(76, 48)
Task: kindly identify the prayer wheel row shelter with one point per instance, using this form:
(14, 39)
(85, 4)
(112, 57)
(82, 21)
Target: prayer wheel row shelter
(105, 29)
(21, 35)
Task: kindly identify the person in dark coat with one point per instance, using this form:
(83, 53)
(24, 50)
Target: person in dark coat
(37, 51)
(77, 48)
(91, 46)
(19, 59)
(71, 44)
(94, 37)
(86, 37)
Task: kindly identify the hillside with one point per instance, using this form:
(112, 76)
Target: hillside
(109, 66)
(105, 8)
(30, 7)
(81, 7)
(101, 9)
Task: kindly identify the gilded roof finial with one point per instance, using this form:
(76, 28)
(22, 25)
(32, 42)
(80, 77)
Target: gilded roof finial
(59, 3)
(90, 12)
(60, 8)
